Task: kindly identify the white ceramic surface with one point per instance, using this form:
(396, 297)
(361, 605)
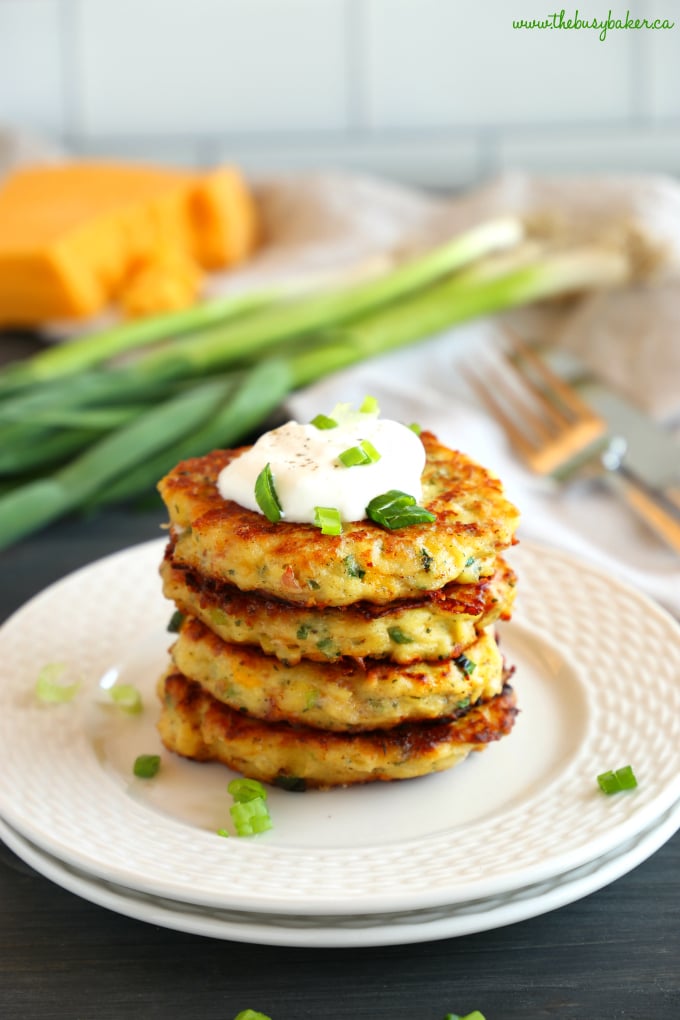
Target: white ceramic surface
(360, 930)
(595, 660)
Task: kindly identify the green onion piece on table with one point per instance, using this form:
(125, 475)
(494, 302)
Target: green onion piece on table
(328, 519)
(146, 766)
(265, 494)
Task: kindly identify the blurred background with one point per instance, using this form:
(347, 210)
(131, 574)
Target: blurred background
(439, 93)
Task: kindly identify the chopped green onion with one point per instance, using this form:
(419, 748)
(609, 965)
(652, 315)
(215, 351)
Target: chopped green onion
(146, 765)
(223, 832)
(369, 406)
(427, 559)
(466, 665)
(415, 427)
(475, 1015)
(397, 635)
(127, 697)
(175, 622)
(243, 790)
(251, 1014)
(292, 783)
(328, 519)
(322, 421)
(621, 779)
(395, 509)
(50, 686)
(265, 494)
(364, 453)
(353, 567)
(250, 817)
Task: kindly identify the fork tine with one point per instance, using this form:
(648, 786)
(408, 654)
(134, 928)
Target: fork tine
(549, 409)
(567, 395)
(516, 436)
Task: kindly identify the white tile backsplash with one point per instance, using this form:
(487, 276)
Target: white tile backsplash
(442, 64)
(433, 92)
(31, 71)
(154, 66)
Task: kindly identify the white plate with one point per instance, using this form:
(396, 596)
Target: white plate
(359, 930)
(597, 680)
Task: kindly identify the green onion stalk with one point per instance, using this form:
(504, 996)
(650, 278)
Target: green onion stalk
(215, 388)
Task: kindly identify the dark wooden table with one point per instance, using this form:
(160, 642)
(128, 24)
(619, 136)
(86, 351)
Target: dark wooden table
(615, 954)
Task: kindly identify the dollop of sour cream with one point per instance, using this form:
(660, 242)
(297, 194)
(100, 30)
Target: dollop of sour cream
(307, 472)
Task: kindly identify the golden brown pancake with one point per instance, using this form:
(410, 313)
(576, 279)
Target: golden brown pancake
(437, 625)
(219, 539)
(196, 725)
(347, 695)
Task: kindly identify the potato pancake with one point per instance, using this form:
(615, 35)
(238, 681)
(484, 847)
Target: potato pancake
(337, 696)
(438, 625)
(217, 538)
(196, 725)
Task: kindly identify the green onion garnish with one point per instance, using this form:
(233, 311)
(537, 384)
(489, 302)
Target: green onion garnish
(250, 817)
(466, 665)
(251, 1014)
(175, 622)
(475, 1015)
(369, 406)
(50, 686)
(620, 779)
(146, 765)
(127, 697)
(397, 635)
(322, 421)
(395, 509)
(243, 790)
(415, 427)
(353, 567)
(265, 495)
(328, 519)
(364, 453)
(294, 784)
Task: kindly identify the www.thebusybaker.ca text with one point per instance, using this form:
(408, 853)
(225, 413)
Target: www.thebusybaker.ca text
(604, 25)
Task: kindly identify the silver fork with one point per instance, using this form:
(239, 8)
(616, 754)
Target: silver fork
(554, 431)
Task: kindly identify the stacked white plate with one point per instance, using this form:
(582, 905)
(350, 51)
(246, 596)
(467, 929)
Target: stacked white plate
(511, 833)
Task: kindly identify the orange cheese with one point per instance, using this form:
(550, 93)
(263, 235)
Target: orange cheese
(73, 235)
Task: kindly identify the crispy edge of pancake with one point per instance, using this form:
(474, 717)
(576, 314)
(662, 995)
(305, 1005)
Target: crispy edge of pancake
(195, 725)
(296, 562)
(438, 625)
(346, 696)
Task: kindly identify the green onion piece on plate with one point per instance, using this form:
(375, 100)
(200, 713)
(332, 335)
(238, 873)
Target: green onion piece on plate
(127, 697)
(243, 790)
(328, 519)
(146, 766)
(265, 495)
(322, 421)
(50, 686)
(615, 781)
(250, 817)
(395, 509)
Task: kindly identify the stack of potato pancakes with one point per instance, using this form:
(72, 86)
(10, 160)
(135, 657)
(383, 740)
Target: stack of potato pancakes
(317, 660)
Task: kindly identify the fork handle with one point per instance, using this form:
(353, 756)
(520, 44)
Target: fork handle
(664, 520)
